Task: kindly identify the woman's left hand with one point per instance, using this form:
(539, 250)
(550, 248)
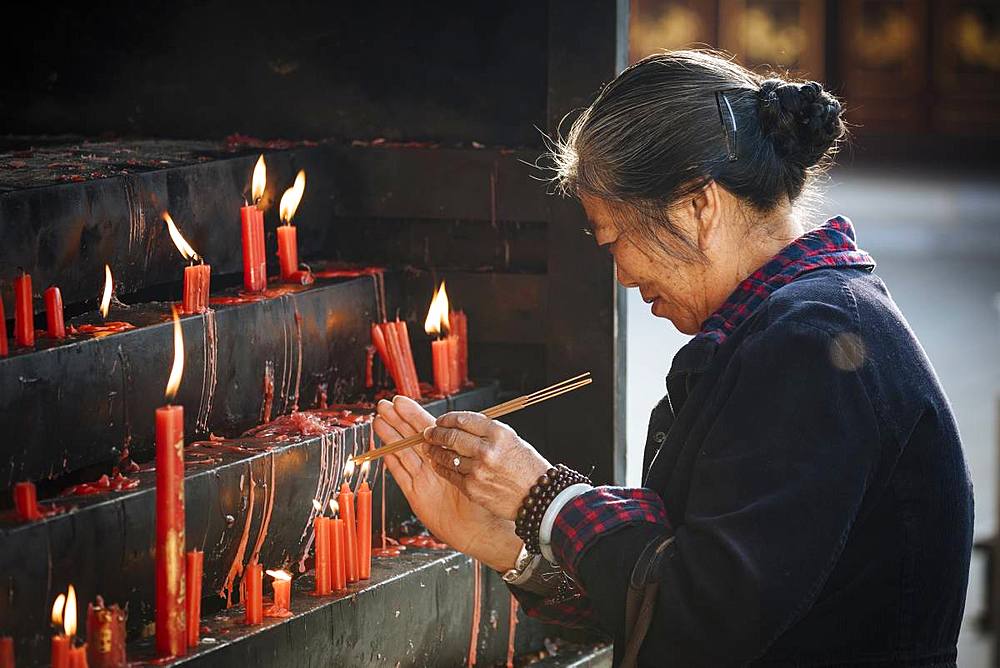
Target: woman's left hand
(484, 458)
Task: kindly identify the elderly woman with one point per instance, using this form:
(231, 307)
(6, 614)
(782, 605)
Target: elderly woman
(805, 498)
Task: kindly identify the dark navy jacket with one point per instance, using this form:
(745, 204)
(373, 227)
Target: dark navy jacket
(814, 478)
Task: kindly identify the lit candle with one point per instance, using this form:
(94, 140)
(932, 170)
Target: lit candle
(346, 502)
(197, 277)
(194, 566)
(321, 546)
(64, 614)
(282, 586)
(105, 635)
(6, 652)
(3, 331)
(24, 311)
(436, 323)
(26, 501)
(288, 246)
(171, 639)
(252, 225)
(364, 515)
(54, 313)
(338, 551)
(253, 584)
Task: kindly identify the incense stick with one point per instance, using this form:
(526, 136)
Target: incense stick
(493, 412)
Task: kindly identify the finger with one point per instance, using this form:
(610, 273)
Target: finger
(462, 442)
(387, 411)
(384, 430)
(447, 459)
(412, 412)
(399, 474)
(449, 474)
(474, 423)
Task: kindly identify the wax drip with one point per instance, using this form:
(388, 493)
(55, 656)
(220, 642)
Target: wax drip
(476, 604)
(321, 390)
(236, 568)
(298, 372)
(209, 371)
(269, 491)
(126, 423)
(265, 412)
(512, 631)
(136, 213)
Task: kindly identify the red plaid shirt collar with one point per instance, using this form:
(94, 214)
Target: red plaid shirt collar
(832, 245)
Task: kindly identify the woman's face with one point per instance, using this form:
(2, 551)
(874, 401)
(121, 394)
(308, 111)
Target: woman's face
(673, 288)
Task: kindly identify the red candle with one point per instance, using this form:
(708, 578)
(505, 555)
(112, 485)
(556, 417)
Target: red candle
(254, 262)
(338, 555)
(321, 529)
(26, 501)
(60, 651)
(282, 586)
(253, 584)
(406, 353)
(54, 313)
(379, 339)
(78, 656)
(439, 357)
(288, 251)
(288, 247)
(6, 652)
(460, 325)
(195, 563)
(346, 501)
(454, 375)
(197, 278)
(24, 311)
(3, 331)
(170, 628)
(364, 500)
(105, 635)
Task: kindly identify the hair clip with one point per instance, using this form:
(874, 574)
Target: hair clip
(728, 125)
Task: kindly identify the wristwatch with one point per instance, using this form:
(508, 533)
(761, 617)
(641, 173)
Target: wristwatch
(523, 566)
(533, 573)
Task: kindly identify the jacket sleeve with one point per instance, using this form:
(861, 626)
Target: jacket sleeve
(776, 487)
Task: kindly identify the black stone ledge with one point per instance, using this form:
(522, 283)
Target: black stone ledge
(82, 401)
(64, 234)
(104, 544)
(415, 611)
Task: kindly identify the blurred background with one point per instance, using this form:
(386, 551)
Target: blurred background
(921, 85)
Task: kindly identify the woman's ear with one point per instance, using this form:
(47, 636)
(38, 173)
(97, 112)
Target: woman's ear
(706, 209)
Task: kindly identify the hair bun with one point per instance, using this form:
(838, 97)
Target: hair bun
(802, 120)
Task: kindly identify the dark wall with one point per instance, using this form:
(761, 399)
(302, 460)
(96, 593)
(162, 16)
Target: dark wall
(447, 71)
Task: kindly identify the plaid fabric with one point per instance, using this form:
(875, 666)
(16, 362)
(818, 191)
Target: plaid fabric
(598, 512)
(832, 245)
(575, 611)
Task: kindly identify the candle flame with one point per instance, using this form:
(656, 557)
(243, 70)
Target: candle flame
(57, 610)
(259, 179)
(317, 505)
(69, 621)
(182, 245)
(364, 469)
(106, 299)
(279, 575)
(290, 200)
(349, 469)
(174, 381)
(334, 506)
(437, 314)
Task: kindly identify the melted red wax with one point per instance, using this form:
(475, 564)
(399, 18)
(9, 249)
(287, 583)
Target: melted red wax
(349, 272)
(100, 331)
(113, 483)
(424, 540)
(249, 297)
(274, 611)
(321, 390)
(265, 414)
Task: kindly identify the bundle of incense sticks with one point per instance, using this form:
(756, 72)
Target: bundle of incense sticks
(494, 412)
(392, 341)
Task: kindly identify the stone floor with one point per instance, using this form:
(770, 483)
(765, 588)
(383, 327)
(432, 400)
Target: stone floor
(936, 238)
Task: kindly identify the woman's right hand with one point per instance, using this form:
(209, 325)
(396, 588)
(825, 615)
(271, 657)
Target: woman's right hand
(443, 508)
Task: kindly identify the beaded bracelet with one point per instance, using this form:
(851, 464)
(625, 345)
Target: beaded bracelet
(541, 495)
